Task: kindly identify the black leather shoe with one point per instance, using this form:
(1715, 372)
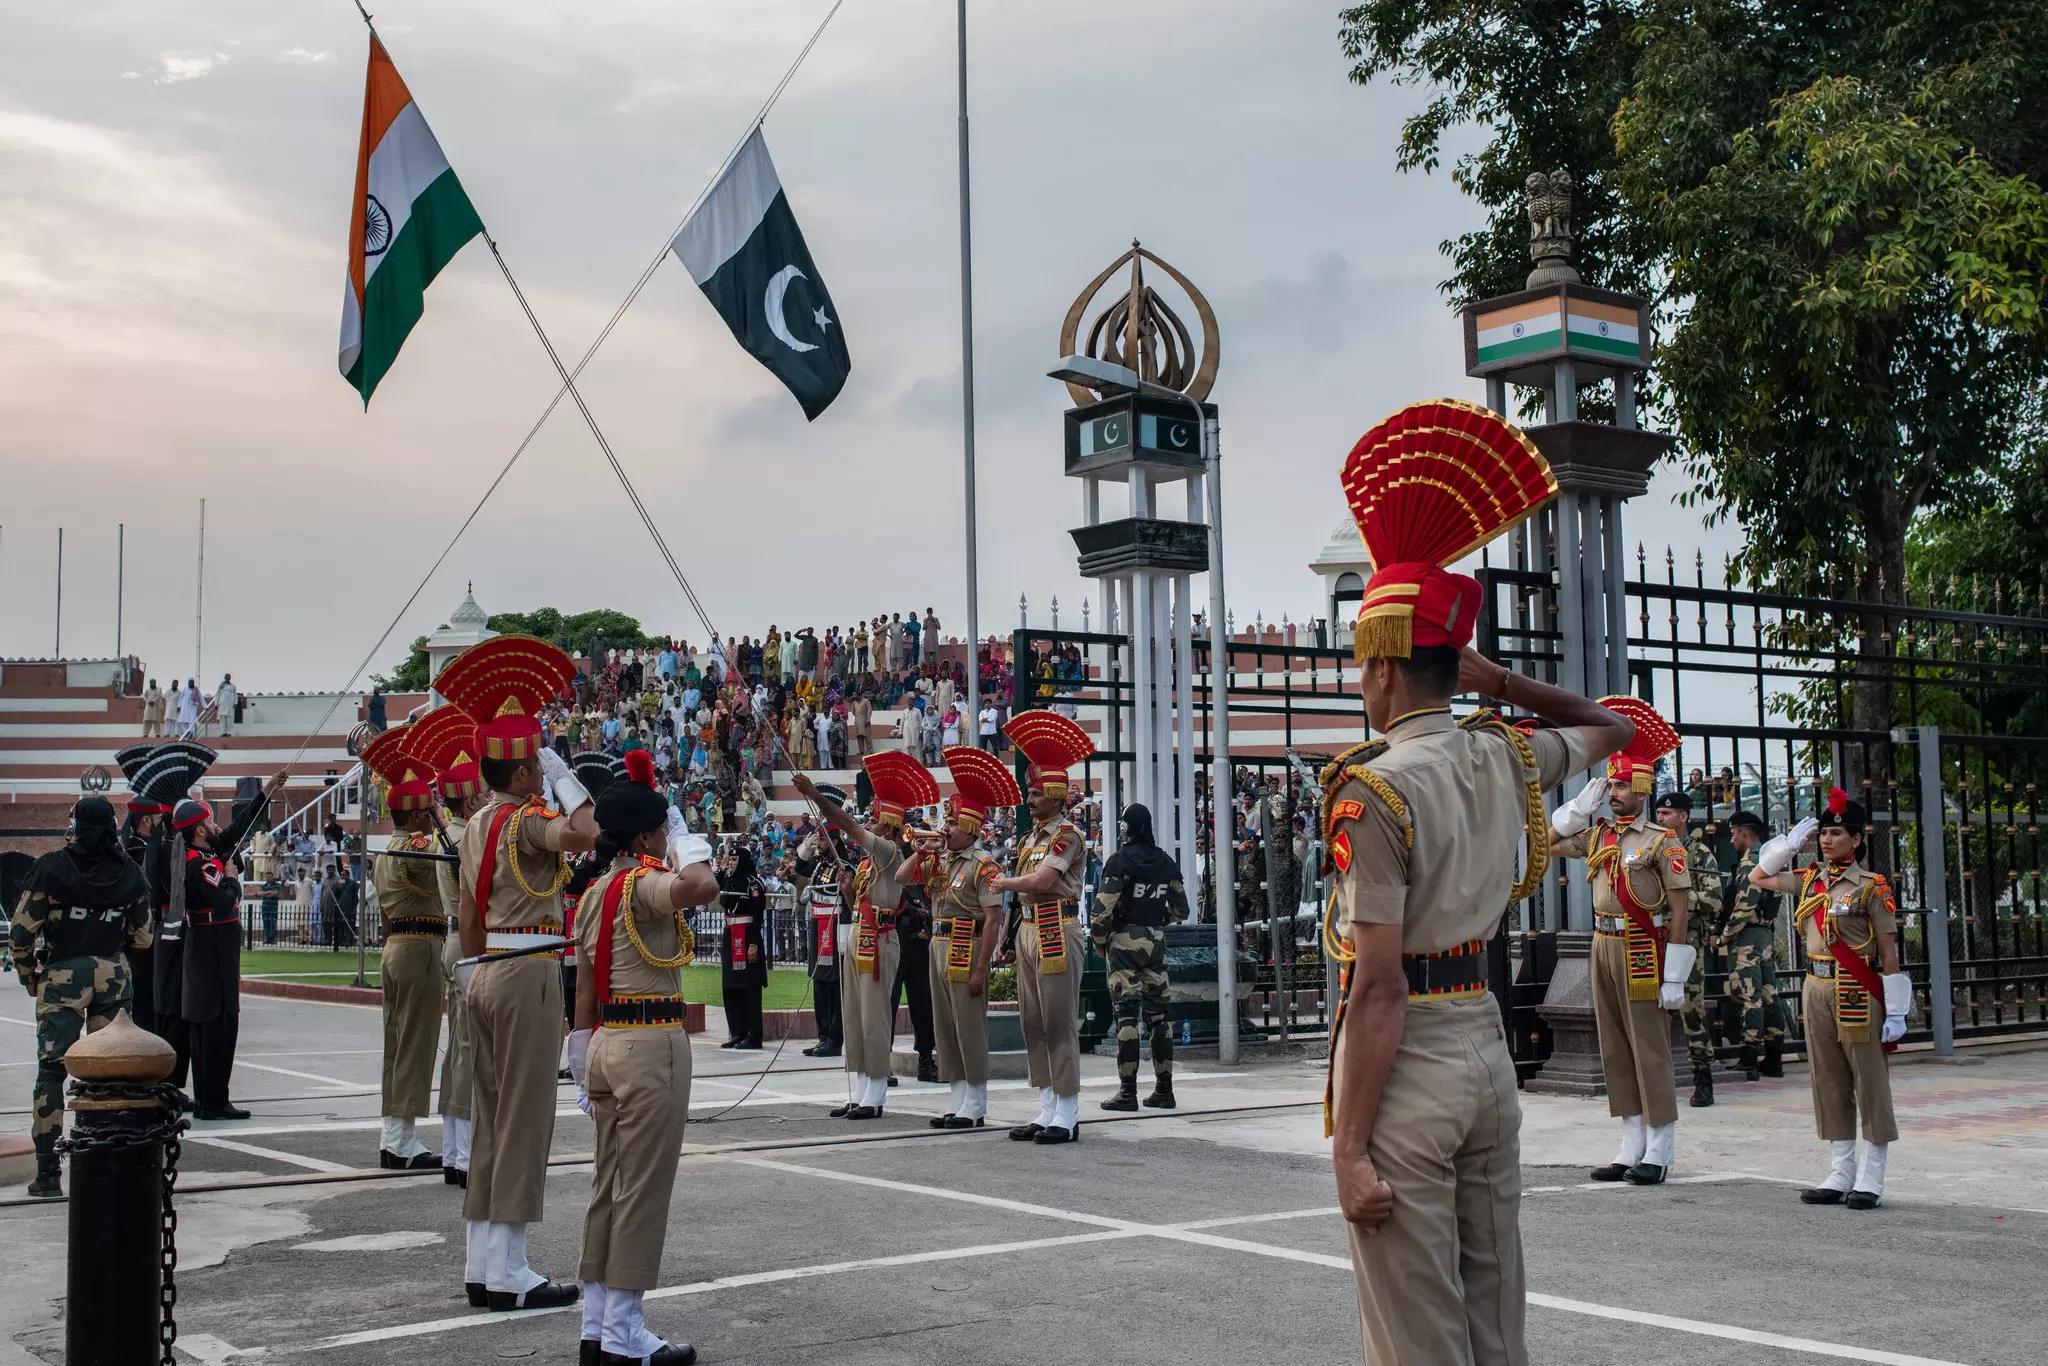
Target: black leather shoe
(1861, 1200)
(546, 1295)
(421, 1162)
(892, 1079)
(810, 1052)
(670, 1354)
(1820, 1195)
(839, 1111)
(1613, 1171)
(455, 1176)
(1024, 1133)
(389, 1161)
(479, 1298)
(830, 1050)
(1053, 1133)
(221, 1112)
(730, 1043)
(941, 1122)
(865, 1112)
(927, 1067)
(959, 1122)
(589, 1352)
(1644, 1174)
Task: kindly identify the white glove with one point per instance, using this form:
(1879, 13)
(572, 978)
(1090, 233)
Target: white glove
(1777, 855)
(553, 766)
(1898, 1002)
(678, 824)
(1576, 814)
(686, 849)
(1678, 961)
(579, 1066)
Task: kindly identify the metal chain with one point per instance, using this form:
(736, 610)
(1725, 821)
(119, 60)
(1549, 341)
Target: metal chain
(166, 1129)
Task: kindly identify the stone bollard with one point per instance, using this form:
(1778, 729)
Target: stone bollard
(119, 1286)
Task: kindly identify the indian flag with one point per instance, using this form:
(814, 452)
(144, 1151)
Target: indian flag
(409, 219)
(1519, 330)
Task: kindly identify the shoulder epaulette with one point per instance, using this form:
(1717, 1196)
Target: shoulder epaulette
(1348, 767)
(1332, 776)
(1536, 825)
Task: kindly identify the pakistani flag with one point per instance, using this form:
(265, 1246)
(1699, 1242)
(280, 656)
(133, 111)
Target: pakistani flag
(742, 247)
(409, 219)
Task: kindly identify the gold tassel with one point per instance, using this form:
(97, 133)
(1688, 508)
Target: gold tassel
(1644, 780)
(1384, 633)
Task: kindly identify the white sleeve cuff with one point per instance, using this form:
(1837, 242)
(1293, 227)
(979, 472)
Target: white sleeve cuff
(1567, 821)
(686, 849)
(1776, 855)
(1898, 994)
(569, 794)
(1678, 961)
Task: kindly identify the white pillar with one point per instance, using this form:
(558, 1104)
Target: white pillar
(1184, 724)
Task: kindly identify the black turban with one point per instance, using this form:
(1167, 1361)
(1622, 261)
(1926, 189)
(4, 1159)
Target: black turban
(1137, 824)
(626, 811)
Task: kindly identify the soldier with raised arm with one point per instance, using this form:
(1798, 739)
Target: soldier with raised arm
(1421, 832)
(446, 739)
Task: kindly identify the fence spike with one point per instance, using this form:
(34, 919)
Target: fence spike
(1642, 564)
(1055, 611)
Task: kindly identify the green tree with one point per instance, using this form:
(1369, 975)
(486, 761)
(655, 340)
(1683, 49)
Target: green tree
(411, 676)
(621, 632)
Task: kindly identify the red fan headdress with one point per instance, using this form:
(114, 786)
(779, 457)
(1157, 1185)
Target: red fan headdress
(640, 767)
(445, 738)
(900, 782)
(1053, 743)
(980, 783)
(1654, 739)
(411, 778)
(1427, 487)
(504, 682)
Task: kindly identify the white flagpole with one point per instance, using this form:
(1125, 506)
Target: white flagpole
(967, 403)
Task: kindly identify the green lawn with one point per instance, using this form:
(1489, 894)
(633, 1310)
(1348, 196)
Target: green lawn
(788, 988)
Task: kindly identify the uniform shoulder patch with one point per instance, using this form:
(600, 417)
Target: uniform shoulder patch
(211, 871)
(1340, 850)
(1346, 810)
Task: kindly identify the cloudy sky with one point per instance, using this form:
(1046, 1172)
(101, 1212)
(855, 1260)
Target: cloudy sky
(175, 177)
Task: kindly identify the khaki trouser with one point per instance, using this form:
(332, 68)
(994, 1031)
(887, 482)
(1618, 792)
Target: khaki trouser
(959, 1024)
(1848, 1079)
(516, 1024)
(639, 1084)
(1635, 1040)
(1050, 1007)
(1441, 1282)
(410, 970)
(869, 1012)
(458, 1063)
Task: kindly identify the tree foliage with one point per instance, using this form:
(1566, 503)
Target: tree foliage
(620, 631)
(410, 676)
(1836, 208)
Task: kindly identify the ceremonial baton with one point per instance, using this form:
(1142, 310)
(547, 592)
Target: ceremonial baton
(426, 854)
(553, 946)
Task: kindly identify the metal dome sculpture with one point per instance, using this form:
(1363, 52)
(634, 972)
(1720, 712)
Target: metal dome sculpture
(1141, 332)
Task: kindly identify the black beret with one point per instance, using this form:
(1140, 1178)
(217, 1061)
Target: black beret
(626, 811)
(1674, 800)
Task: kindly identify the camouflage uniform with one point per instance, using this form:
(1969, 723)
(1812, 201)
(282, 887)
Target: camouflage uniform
(1134, 890)
(75, 993)
(1700, 931)
(1750, 938)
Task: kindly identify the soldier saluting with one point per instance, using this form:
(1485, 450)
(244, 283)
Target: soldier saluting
(1421, 830)
(1748, 937)
(1139, 896)
(84, 908)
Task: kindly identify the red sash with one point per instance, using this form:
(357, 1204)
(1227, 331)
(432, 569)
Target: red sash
(1849, 961)
(736, 940)
(488, 864)
(1643, 945)
(824, 928)
(607, 917)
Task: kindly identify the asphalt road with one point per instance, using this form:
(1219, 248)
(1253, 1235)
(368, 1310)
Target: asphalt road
(1164, 1239)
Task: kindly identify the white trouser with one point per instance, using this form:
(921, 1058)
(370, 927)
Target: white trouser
(1634, 1138)
(1046, 1102)
(1870, 1168)
(1661, 1141)
(504, 1258)
(455, 1142)
(1841, 1165)
(975, 1106)
(1066, 1111)
(400, 1139)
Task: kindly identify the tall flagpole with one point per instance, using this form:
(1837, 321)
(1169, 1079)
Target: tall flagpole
(967, 403)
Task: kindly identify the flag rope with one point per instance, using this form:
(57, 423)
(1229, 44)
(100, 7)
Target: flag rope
(568, 380)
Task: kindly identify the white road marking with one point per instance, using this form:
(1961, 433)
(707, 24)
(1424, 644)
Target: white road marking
(302, 1076)
(374, 1242)
(205, 1347)
(1810, 1346)
(311, 1164)
(9, 1019)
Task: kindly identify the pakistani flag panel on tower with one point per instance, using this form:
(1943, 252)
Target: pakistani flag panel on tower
(742, 247)
(409, 219)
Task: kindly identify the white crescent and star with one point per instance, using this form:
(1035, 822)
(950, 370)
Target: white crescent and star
(778, 323)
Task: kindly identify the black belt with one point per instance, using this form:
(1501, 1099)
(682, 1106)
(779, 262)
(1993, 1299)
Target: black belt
(1459, 971)
(644, 1010)
(1826, 969)
(215, 919)
(430, 925)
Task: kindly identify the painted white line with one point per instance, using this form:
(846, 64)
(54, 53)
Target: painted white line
(311, 1164)
(1841, 1351)
(432, 1326)
(9, 1019)
(940, 1192)
(206, 1348)
(314, 1053)
(1318, 1213)
(302, 1076)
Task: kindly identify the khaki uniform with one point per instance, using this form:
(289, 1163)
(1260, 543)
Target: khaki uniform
(1049, 1003)
(638, 1079)
(515, 1014)
(1635, 1035)
(457, 1063)
(961, 891)
(866, 1005)
(1850, 1080)
(410, 970)
(1441, 1281)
